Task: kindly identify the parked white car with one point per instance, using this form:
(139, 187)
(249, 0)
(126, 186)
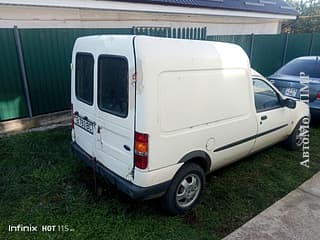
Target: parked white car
(154, 115)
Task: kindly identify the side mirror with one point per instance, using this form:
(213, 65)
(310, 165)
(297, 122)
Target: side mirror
(289, 103)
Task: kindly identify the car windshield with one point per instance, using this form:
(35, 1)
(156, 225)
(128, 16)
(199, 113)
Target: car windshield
(308, 66)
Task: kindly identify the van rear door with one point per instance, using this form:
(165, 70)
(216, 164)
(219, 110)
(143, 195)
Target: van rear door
(83, 101)
(116, 105)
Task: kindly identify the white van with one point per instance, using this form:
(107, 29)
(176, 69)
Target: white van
(154, 115)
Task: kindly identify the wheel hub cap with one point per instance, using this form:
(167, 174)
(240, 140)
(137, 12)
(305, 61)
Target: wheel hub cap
(188, 190)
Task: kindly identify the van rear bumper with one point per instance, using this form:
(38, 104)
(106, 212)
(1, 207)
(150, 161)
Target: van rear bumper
(134, 191)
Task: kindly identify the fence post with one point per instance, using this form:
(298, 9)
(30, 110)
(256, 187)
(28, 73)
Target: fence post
(169, 32)
(311, 43)
(22, 69)
(174, 32)
(204, 33)
(284, 55)
(251, 47)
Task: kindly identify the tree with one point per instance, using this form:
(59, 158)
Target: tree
(309, 19)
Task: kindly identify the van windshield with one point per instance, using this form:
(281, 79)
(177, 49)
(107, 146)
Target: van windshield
(113, 85)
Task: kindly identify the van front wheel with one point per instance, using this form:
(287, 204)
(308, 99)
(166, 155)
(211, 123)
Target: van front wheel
(185, 189)
(295, 140)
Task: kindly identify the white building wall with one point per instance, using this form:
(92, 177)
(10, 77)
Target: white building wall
(50, 17)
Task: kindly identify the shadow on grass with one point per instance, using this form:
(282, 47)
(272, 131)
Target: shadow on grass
(104, 191)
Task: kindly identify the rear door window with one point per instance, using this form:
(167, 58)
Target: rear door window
(113, 85)
(84, 77)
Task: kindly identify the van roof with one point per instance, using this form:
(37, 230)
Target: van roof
(255, 73)
(129, 37)
(182, 53)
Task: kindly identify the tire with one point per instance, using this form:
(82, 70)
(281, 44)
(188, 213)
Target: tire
(185, 190)
(294, 141)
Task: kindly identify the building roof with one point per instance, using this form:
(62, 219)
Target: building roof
(263, 6)
(274, 9)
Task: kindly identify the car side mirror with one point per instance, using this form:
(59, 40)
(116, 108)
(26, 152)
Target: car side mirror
(289, 103)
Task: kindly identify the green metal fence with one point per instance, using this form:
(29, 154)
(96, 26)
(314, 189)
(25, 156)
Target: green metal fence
(35, 63)
(243, 41)
(315, 46)
(47, 57)
(298, 45)
(12, 100)
(269, 52)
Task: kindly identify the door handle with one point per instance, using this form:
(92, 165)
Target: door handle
(264, 117)
(99, 134)
(126, 147)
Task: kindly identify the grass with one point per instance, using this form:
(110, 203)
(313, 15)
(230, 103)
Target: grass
(42, 184)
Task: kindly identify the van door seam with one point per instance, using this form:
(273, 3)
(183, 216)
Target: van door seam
(249, 138)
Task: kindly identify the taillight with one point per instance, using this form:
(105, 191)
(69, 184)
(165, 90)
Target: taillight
(318, 96)
(72, 117)
(140, 150)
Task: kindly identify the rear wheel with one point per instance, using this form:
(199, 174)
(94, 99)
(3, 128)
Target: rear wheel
(295, 140)
(185, 189)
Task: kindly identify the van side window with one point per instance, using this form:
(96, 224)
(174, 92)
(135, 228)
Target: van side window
(264, 96)
(113, 85)
(84, 77)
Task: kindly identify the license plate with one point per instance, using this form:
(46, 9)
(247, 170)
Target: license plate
(84, 124)
(292, 92)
